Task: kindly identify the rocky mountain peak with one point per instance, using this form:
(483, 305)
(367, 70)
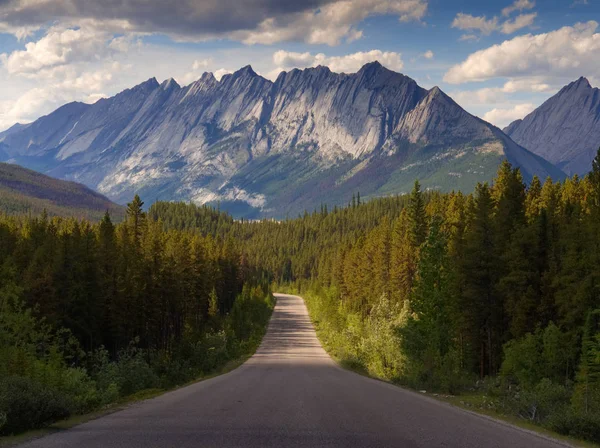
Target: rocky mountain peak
(207, 77)
(310, 137)
(565, 129)
(582, 83)
(246, 71)
(372, 67)
(149, 84)
(170, 84)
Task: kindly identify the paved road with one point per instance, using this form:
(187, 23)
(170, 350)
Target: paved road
(291, 394)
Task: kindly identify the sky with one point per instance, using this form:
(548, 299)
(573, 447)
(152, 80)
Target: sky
(498, 59)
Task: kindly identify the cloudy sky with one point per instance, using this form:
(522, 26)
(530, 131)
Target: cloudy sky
(498, 59)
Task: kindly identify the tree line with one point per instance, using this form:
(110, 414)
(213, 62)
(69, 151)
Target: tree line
(499, 288)
(93, 312)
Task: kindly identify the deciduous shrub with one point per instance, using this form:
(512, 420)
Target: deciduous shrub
(27, 404)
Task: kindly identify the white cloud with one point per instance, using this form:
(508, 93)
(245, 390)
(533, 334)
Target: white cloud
(568, 52)
(283, 58)
(331, 23)
(350, 63)
(468, 22)
(62, 86)
(62, 66)
(519, 22)
(428, 54)
(218, 74)
(259, 21)
(61, 47)
(468, 37)
(485, 26)
(534, 84)
(202, 64)
(518, 5)
(20, 32)
(503, 117)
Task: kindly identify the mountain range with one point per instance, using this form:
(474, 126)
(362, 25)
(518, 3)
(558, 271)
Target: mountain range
(26, 192)
(565, 129)
(263, 148)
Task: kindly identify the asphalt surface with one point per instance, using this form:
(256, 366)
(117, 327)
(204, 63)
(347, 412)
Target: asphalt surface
(291, 394)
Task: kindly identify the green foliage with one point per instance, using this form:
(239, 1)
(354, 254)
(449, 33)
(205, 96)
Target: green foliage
(431, 290)
(586, 399)
(499, 281)
(27, 403)
(581, 426)
(167, 305)
(428, 336)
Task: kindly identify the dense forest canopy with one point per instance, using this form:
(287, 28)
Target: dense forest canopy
(436, 290)
(495, 291)
(93, 312)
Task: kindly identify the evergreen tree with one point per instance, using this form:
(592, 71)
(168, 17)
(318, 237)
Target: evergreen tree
(480, 301)
(429, 333)
(417, 216)
(594, 177)
(136, 218)
(403, 261)
(586, 398)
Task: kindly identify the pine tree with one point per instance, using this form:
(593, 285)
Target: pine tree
(480, 301)
(594, 177)
(417, 216)
(213, 304)
(136, 218)
(107, 273)
(533, 201)
(429, 333)
(403, 259)
(586, 398)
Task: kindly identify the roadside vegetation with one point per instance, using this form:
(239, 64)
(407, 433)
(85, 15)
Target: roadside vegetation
(494, 294)
(90, 314)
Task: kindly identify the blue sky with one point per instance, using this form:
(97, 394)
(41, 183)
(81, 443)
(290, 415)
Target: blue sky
(498, 59)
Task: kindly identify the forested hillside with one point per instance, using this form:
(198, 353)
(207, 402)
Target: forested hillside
(26, 192)
(90, 313)
(495, 292)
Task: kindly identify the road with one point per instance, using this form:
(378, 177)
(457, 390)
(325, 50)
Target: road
(291, 394)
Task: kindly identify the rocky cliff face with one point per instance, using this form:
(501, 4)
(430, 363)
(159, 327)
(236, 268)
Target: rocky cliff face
(270, 148)
(565, 129)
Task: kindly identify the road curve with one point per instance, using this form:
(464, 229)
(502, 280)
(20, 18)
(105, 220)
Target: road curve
(291, 394)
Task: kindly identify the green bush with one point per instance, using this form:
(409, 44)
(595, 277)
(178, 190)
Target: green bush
(539, 403)
(581, 426)
(28, 404)
(133, 373)
(130, 373)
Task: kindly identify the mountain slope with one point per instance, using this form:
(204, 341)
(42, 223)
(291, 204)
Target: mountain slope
(269, 148)
(565, 129)
(23, 191)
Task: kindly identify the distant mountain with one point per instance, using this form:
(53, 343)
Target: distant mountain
(264, 148)
(23, 191)
(565, 129)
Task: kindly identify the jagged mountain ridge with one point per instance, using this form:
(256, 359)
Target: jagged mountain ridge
(565, 129)
(278, 147)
